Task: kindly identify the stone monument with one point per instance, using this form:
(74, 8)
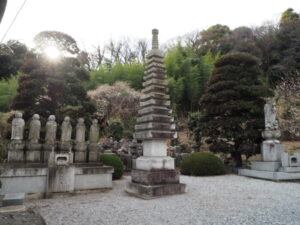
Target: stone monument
(155, 173)
(66, 134)
(80, 144)
(33, 151)
(16, 146)
(93, 146)
(276, 164)
(50, 138)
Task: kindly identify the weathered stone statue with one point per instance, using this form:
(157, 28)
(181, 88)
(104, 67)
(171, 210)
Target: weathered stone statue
(18, 125)
(271, 123)
(66, 134)
(34, 129)
(94, 132)
(80, 131)
(16, 147)
(93, 146)
(51, 128)
(80, 147)
(66, 130)
(33, 152)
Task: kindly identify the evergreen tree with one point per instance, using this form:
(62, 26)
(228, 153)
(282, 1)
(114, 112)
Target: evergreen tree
(232, 114)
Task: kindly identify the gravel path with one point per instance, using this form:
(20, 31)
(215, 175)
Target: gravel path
(227, 200)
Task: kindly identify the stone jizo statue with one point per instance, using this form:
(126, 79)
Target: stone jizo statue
(34, 129)
(18, 125)
(66, 130)
(80, 131)
(271, 123)
(51, 128)
(94, 132)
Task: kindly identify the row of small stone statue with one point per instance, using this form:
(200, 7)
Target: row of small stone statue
(18, 125)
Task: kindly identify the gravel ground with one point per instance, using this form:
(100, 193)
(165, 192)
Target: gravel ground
(227, 200)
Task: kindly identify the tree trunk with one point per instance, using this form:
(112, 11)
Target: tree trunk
(237, 156)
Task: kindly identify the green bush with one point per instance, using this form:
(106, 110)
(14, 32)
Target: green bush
(115, 162)
(202, 164)
(115, 129)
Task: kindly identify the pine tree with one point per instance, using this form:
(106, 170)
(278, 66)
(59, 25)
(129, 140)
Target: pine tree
(232, 106)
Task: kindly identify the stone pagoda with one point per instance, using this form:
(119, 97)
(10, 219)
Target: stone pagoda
(155, 173)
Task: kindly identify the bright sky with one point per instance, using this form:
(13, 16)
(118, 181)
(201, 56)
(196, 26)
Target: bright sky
(96, 21)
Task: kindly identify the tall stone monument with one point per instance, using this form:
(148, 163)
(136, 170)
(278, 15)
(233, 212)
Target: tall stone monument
(93, 146)
(80, 144)
(16, 146)
(33, 151)
(155, 173)
(50, 138)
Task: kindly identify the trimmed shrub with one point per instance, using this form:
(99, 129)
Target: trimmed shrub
(202, 164)
(115, 162)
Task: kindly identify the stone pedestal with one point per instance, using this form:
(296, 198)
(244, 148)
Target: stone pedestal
(271, 151)
(61, 179)
(47, 149)
(16, 152)
(93, 152)
(33, 153)
(80, 154)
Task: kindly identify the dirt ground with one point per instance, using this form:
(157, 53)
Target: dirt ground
(27, 217)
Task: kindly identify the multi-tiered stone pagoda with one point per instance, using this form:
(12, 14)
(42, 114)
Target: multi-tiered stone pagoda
(155, 173)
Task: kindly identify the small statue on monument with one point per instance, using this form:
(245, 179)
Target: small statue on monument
(80, 131)
(34, 129)
(94, 132)
(51, 128)
(18, 125)
(271, 123)
(66, 130)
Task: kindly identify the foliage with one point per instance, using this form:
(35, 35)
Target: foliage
(232, 107)
(115, 162)
(114, 129)
(11, 56)
(52, 87)
(202, 164)
(62, 41)
(187, 75)
(131, 73)
(116, 101)
(194, 126)
(8, 90)
(288, 16)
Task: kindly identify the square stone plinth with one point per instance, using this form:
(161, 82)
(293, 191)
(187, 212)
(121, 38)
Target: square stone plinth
(155, 177)
(16, 156)
(265, 166)
(271, 151)
(93, 156)
(33, 156)
(154, 191)
(13, 199)
(155, 163)
(80, 156)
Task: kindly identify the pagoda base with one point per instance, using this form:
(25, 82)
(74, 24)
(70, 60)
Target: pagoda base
(156, 183)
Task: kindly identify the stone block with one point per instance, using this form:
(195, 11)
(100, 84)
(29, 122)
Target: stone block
(265, 166)
(13, 199)
(33, 156)
(290, 169)
(33, 147)
(155, 177)
(16, 156)
(93, 156)
(290, 159)
(61, 179)
(275, 176)
(271, 151)
(150, 192)
(155, 163)
(155, 148)
(80, 156)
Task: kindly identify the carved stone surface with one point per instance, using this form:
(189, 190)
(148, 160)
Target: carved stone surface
(94, 132)
(34, 129)
(80, 147)
(51, 128)
(18, 125)
(271, 123)
(66, 133)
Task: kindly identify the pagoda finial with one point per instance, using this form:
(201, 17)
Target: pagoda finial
(155, 39)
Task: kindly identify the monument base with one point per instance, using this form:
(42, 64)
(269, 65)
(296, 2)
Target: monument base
(155, 183)
(15, 156)
(80, 156)
(93, 156)
(269, 175)
(271, 151)
(33, 156)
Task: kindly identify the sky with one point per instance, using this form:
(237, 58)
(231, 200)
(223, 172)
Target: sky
(93, 22)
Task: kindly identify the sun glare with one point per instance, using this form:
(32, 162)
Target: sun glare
(52, 52)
